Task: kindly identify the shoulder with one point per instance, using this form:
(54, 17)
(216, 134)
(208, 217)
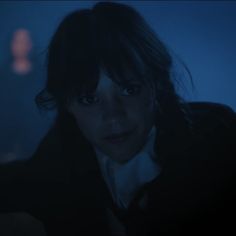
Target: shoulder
(206, 154)
(213, 123)
(210, 139)
(207, 122)
(211, 155)
(213, 114)
(213, 139)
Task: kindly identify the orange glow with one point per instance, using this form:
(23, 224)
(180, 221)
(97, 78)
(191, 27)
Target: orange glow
(21, 46)
(21, 43)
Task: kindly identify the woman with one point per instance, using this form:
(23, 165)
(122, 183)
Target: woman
(126, 156)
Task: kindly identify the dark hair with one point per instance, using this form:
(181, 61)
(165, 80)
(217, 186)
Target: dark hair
(113, 37)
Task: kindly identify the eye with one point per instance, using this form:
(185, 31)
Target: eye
(88, 99)
(130, 90)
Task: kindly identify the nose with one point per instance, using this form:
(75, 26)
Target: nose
(114, 111)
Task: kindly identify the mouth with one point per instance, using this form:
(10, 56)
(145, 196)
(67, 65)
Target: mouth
(116, 138)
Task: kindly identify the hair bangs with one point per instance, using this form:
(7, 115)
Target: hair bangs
(82, 61)
(102, 50)
(118, 58)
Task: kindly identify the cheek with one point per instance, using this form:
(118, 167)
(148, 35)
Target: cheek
(142, 109)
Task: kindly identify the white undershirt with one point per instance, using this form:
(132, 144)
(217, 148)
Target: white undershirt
(124, 180)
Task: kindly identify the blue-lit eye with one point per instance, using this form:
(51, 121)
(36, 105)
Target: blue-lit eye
(131, 90)
(88, 99)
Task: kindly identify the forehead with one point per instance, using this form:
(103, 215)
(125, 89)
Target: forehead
(104, 83)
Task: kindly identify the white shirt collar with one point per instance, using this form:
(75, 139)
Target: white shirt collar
(124, 180)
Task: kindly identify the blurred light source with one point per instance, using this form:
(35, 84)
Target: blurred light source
(21, 46)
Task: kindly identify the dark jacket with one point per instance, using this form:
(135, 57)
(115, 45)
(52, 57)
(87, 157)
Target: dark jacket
(195, 193)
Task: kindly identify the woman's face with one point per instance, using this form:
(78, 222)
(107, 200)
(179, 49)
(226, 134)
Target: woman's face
(116, 120)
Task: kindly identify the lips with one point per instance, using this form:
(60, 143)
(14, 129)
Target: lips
(118, 137)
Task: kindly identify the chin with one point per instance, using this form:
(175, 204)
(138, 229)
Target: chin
(121, 157)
